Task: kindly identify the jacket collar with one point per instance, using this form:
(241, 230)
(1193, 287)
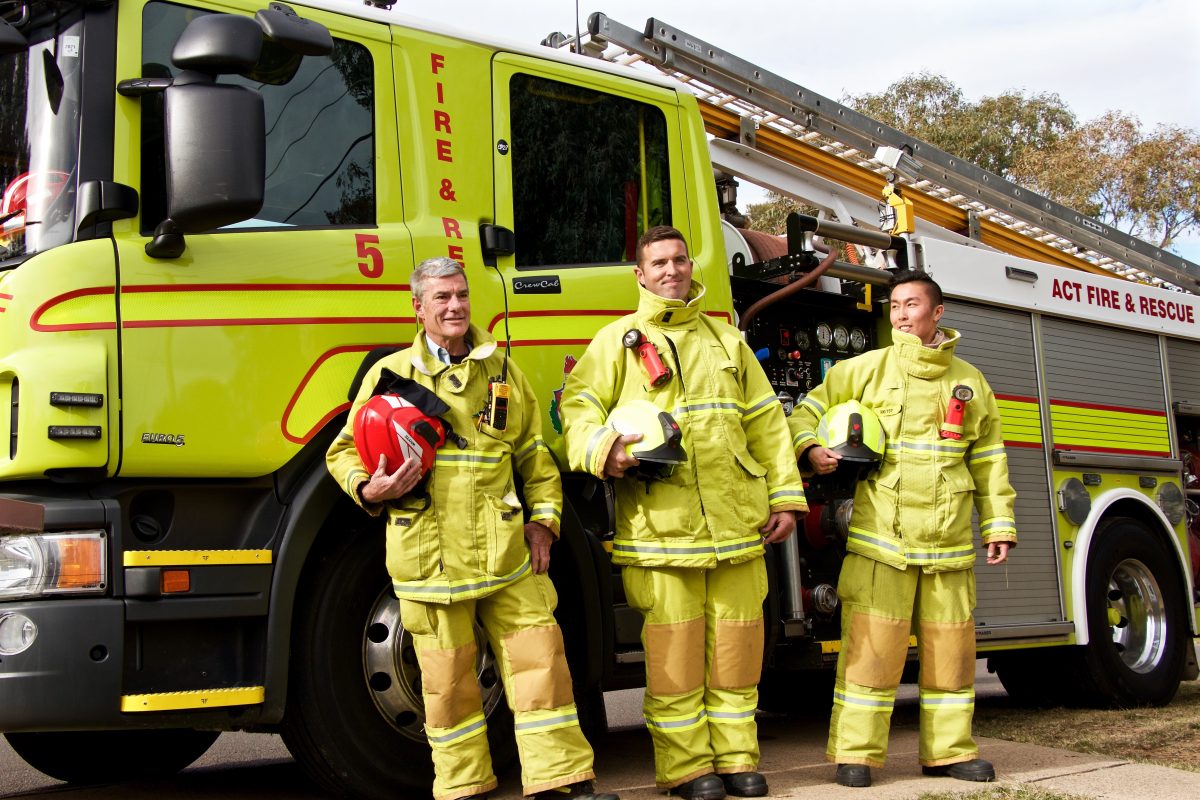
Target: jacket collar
(921, 361)
(670, 313)
(425, 362)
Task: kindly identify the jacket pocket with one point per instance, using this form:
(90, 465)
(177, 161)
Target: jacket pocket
(750, 498)
(505, 534)
(409, 554)
(957, 493)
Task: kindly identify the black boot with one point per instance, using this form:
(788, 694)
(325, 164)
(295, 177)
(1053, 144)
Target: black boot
(855, 775)
(575, 791)
(974, 770)
(706, 787)
(745, 784)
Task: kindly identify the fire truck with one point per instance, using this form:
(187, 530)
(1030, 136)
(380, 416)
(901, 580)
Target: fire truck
(210, 211)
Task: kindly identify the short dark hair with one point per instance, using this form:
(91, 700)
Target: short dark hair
(916, 276)
(659, 233)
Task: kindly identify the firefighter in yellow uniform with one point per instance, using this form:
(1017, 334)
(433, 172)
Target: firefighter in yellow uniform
(691, 544)
(910, 541)
(455, 552)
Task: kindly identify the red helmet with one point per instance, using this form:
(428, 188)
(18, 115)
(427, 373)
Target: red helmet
(389, 425)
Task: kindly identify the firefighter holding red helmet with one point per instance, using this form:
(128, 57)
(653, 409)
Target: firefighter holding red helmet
(457, 548)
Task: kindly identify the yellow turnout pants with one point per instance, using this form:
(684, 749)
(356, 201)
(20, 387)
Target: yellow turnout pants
(703, 637)
(519, 623)
(881, 606)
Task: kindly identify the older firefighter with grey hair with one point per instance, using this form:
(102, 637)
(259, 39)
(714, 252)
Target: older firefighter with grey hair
(457, 551)
(911, 558)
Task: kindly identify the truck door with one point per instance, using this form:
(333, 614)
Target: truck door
(246, 344)
(584, 164)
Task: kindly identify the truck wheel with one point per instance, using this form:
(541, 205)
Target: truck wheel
(1135, 615)
(355, 718)
(111, 756)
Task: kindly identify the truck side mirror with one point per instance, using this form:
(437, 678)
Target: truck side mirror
(216, 154)
(215, 134)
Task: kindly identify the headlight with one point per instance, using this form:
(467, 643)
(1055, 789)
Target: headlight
(52, 563)
(17, 633)
(1172, 502)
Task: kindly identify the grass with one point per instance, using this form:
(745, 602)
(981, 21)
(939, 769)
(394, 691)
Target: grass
(1168, 736)
(1016, 792)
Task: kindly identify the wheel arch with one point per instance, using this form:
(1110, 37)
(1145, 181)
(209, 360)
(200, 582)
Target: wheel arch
(1123, 503)
(314, 501)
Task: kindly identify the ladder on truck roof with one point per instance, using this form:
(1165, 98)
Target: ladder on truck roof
(803, 128)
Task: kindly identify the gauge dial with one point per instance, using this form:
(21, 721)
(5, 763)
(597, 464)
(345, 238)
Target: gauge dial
(841, 337)
(824, 335)
(858, 340)
(802, 340)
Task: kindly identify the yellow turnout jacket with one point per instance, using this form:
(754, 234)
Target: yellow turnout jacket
(468, 539)
(916, 509)
(739, 468)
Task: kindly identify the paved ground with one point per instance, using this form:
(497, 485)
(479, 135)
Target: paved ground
(258, 767)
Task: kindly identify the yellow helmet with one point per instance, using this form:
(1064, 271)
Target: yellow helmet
(661, 447)
(853, 431)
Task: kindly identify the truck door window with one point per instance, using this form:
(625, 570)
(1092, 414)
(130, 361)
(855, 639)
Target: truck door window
(590, 173)
(320, 132)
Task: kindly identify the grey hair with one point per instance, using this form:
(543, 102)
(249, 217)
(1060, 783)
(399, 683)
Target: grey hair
(440, 267)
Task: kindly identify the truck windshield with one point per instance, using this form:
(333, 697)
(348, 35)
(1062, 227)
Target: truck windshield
(39, 128)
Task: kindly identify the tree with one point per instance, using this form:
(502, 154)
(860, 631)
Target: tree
(1145, 184)
(991, 133)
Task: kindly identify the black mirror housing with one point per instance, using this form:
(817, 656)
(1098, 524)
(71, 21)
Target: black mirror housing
(302, 36)
(216, 154)
(218, 44)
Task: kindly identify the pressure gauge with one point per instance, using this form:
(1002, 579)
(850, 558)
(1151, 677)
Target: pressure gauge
(841, 337)
(858, 340)
(802, 340)
(824, 336)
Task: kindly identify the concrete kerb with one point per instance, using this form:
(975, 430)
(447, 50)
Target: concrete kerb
(793, 760)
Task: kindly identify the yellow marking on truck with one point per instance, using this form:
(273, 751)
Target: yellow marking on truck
(835, 645)
(193, 558)
(1103, 429)
(1020, 420)
(203, 698)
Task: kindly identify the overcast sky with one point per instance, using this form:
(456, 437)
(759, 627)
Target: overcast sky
(1138, 56)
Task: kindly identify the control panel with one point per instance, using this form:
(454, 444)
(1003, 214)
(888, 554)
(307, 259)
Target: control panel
(798, 339)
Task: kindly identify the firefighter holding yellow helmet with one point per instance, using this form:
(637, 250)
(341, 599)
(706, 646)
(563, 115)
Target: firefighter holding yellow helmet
(910, 541)
(690, 539)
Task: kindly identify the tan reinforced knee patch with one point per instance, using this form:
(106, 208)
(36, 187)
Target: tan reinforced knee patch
(674, 657)
(448, 681)
(878, 647)
(540, 678)
(947, 655)
(737, 654)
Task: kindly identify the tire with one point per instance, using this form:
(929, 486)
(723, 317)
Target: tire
(1137, 627)
(111, 756)
(355, 718)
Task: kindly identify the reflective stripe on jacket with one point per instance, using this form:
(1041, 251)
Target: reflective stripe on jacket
(740, 466)
(916, 509)
(468, 540)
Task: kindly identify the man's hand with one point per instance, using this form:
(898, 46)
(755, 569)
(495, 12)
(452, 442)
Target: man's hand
(540, 538)
(618, 460)
(998, 552)
(780, 525)
(824, 461)
(383, 487)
